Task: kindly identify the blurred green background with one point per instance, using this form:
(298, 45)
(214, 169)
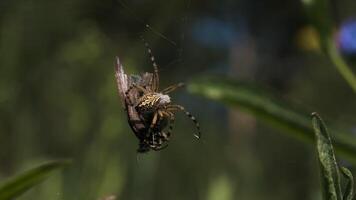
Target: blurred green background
(58, 96)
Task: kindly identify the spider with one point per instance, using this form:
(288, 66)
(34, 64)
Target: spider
(138, 123)
(155, 110)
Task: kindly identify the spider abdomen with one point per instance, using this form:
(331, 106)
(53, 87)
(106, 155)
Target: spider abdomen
(152, 101)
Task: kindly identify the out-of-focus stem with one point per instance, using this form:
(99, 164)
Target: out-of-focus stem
(341, 64)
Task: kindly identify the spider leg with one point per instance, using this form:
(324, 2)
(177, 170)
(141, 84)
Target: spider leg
(162, 134)
(174, 108)
(155, 78)
(158, 148)
(154, 120)
(160, 113)
(133, 86)
(172, 88)
(170, 129)
(152, 125)
(170, 115)
(160, 137)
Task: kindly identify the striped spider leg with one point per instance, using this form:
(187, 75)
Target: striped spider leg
(172, 108)
(155, 78)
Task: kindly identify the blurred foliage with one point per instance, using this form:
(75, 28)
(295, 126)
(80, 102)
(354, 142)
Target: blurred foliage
(330, 170)
(321, 14)
(269, 108)
(21, 183)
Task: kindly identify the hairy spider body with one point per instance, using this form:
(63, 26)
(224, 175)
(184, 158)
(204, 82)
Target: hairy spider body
(149, 110)
(152, 102)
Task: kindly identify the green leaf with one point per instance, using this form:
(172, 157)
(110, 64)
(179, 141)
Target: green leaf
(268, 108)
(349, 190)
(15, 186)
(329, 168)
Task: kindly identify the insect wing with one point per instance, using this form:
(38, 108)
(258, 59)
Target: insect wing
(121, 81)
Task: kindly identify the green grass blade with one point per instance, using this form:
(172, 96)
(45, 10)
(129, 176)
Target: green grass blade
(329, 168)
(349, 190)
(270, 109)
(341, 65)
(15, 186)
